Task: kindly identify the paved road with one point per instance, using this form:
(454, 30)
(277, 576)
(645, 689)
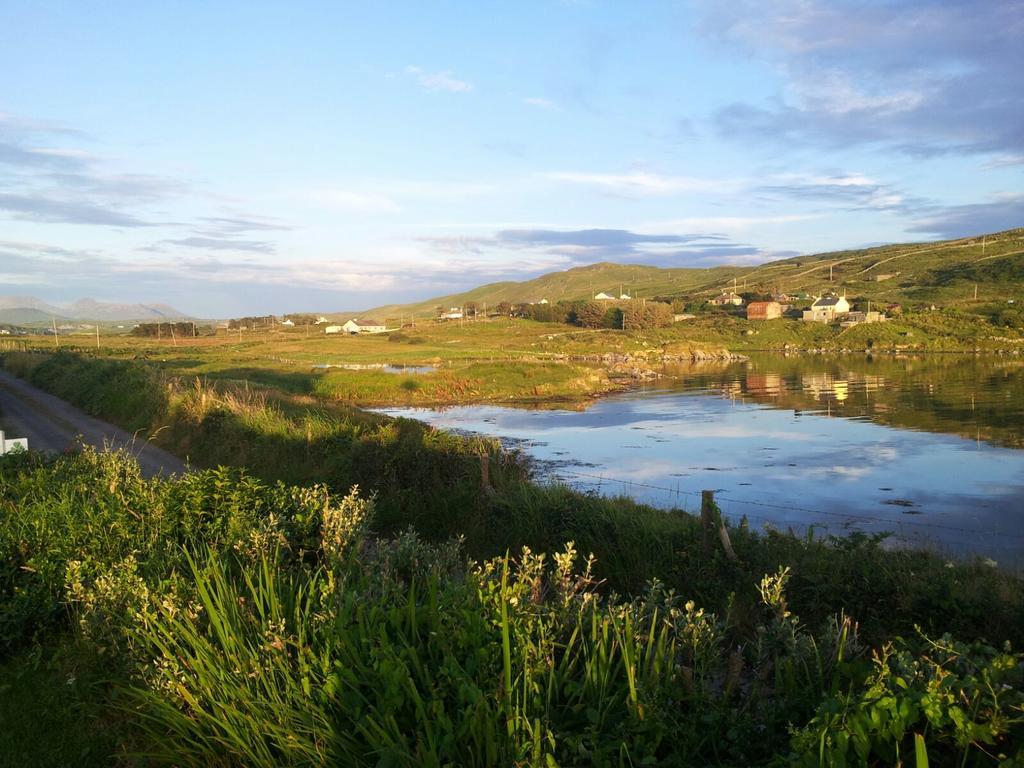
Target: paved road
(51, 424)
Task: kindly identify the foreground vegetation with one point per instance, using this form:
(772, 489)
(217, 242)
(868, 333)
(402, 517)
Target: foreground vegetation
(215, 619)
(223, 618)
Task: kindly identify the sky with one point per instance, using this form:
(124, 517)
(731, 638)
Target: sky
(255, 157)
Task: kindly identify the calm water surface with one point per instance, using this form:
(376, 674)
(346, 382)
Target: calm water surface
(929, 449)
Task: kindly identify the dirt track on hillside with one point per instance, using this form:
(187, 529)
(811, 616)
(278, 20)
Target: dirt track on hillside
(51, 424)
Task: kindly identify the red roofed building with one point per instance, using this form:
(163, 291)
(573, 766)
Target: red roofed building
(763, 310)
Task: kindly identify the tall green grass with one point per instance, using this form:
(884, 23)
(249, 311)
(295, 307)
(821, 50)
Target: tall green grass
(241, 623)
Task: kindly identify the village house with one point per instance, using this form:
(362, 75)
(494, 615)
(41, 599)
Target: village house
(454, 313)
(602, 296)
(624, 297)
(826, 309)
(764, 310)
(367, 325)
(727, 299)
(322, 320)
(332, 329)
(543, 301)
(851, 319)
(287, 322)
(682, 316)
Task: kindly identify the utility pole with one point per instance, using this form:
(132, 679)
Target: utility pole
(830, 273)
(53, 322)
(194, 334)
(173, 337)
(975, 291)
(97, 335)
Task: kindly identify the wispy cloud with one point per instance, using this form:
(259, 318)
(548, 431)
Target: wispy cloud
(438, 81)
(55, 210)
(561, 249)
(1003, 212)
(918, 76)
(224, 244)
(536, 101)
(853, 191)
(642, 183)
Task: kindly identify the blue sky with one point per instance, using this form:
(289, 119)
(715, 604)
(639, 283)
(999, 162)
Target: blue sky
(233, 158)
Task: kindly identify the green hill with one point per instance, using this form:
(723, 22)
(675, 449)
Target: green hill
(945, 272)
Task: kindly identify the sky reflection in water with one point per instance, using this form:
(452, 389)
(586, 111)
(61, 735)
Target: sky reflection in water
(768, 442)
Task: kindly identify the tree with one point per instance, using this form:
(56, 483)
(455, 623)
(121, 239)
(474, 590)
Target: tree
(504, 308)
(590, 314)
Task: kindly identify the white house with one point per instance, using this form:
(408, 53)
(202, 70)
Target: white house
(602, 296)
(287, 322)
(624, 297)
(454, 313)
(333, 329)
(366, 326)
(322, 320)
(826, 309)
(543, 301)
(726, 299)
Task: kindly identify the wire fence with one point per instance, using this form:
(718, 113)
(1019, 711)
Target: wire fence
(847, 517)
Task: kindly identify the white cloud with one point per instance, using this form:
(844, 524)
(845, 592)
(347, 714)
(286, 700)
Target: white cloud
(536, 101)
(1004, 161)
(643, 183)
(438, 81)
(352, 200)
(723, 223)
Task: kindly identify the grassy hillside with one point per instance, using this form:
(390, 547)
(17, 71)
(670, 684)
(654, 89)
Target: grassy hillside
(943, 272)
(579, 283)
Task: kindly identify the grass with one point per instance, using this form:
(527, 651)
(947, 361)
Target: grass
(219, 620)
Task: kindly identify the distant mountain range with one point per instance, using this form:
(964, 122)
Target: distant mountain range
(25, 310)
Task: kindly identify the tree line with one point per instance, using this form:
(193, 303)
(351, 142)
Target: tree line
(180, 328)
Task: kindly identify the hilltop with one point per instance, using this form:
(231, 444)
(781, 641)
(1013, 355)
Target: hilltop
(941, 272)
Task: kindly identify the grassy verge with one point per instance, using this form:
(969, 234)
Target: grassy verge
(216, 619)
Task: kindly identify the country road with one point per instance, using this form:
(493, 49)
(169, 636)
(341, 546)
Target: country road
(51, 424)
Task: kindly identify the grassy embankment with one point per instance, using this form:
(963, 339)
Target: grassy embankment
(388, 637)
(217, 620)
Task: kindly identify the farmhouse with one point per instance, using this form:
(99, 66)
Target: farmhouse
(826, 309)
(455, 313)
(851, 319)
(287, 322)
(727, 299)
(624, 296)
(332, 329)
(367, 325)
(764, 310)
(602, 296)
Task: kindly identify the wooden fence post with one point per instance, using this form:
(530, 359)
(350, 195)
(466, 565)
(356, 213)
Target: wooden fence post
(485, 475)
(711, 518)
